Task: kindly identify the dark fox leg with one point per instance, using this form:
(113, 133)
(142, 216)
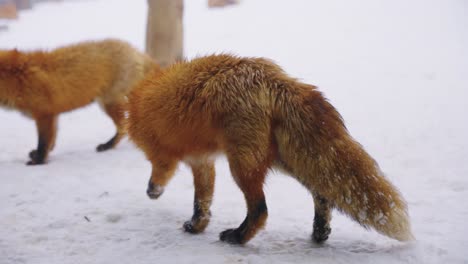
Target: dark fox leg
(321, 219)
(249, 157)
(116, 111)
(47, 131)
(251, 184)
(163, 170)
(204, 175)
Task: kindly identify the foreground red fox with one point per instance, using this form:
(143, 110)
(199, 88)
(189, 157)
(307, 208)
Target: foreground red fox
(44, 84)
(249, 109)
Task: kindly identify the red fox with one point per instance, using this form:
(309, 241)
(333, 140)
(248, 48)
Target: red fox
(250, 110)
(44, 84)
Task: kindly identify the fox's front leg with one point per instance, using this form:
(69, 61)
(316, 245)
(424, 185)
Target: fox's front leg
(163, 170)
(47, 131)
(203, 178)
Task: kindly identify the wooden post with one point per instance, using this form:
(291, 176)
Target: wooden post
(164, 31)
(8, 10)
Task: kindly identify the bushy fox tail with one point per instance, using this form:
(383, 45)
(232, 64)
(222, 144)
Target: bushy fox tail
(360, 190)
(315, 147)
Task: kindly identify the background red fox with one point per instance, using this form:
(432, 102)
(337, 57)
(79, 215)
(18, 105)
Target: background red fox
(249, 109)
(44, 84)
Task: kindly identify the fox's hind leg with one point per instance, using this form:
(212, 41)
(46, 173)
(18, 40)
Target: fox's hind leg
(47, 130)
(250, 155)
(250, 181)
(321, 219)
(203, 177)
(116, 111)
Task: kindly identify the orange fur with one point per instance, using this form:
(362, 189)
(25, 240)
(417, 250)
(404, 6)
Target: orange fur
(249, 109)
(44, 84)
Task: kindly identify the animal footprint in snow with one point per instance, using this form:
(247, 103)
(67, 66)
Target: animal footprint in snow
(113, 218)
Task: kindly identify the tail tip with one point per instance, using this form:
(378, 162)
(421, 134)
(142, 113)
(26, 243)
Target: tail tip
(405, 236)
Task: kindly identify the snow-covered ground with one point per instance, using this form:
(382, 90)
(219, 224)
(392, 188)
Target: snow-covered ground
(396, 70)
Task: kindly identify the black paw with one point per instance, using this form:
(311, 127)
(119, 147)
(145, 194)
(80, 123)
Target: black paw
(190, 227)
(103, 147)
(231, 236)
(320, 235)
(154, 191)
(35, 162)
(33, 154)
(196, 225)
(35, 159)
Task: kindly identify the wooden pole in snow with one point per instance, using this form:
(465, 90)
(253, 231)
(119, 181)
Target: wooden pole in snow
(164, 31)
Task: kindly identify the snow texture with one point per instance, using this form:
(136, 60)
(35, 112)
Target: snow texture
(396, 70)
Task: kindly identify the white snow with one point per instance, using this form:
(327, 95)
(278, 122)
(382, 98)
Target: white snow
(396, 70)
